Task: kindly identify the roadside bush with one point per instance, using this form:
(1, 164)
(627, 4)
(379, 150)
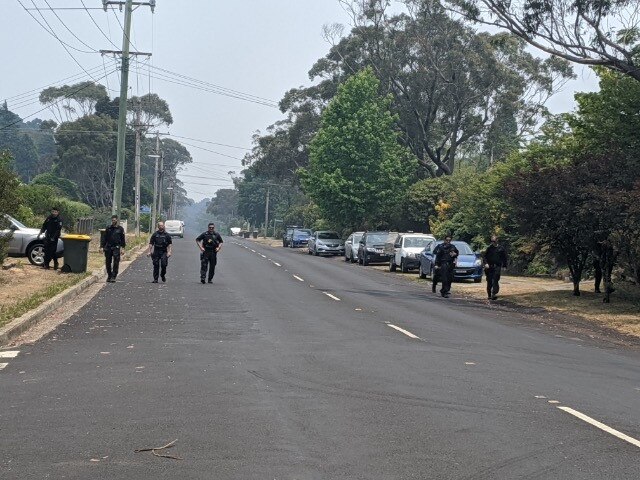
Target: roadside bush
(71, 210)
(9, 197)
(26, 216)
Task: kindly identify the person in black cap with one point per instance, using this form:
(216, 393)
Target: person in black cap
(495, 259)
(52, 227)
(445, 259)
(210, 243)
(112, 244)
(160, 251)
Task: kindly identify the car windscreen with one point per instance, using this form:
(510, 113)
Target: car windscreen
(463, 248)
(417, 242)
(302, 232)
(377, 238)
(18, 224)
(327, 235)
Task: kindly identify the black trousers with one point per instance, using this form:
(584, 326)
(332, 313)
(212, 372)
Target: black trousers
(160, 262)
(446, 277)
(493, 279)
(112, 260)
(50, 252)
(208, 260)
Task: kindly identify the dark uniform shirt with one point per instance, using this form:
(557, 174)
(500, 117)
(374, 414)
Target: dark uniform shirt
(113, 237)
(52, 227)
(160, 241)
(495, 255)
(443, 254)
(210, 241)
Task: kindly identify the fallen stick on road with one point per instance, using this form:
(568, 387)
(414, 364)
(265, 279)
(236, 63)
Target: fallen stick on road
(154, 451)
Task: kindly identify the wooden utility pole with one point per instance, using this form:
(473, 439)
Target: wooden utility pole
(154, 204)
(266, 213)
(137, 199)
(160, 185)
(124, 90)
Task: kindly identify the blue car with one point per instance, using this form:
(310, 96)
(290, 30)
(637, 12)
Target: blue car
(468, 265)
(299, 238)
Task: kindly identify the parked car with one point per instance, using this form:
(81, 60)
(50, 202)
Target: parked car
(351, 247)
(175, 228)
(325, 242)
(404, 251)
(468, 264)
(371, 247)
(288, 231)
(26, 242)
(299, 238)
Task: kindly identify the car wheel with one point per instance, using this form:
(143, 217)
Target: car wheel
(403, 266)
(421, 273)
(392, 265)
(35, 254)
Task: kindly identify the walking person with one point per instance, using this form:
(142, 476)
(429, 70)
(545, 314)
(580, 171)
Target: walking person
(160, 251)
(112, 244)
(52, 228)
(495, 259)
(445, 259)
(209, 243)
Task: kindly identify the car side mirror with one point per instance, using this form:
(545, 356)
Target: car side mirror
(396, 245)
(12, 227)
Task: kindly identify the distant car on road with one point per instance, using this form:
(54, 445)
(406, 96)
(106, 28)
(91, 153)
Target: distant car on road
(371, 247)
(351, 247)
(404, 251)
(175, 228)
(299, 237)
(325, 242)
(26, 242)
(468, 264)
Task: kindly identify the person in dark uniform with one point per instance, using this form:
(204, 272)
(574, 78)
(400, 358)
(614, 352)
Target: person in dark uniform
(52, 227)
(210, 243)
(160, 251)
(112, 244)
(445, 258)
(495, 259)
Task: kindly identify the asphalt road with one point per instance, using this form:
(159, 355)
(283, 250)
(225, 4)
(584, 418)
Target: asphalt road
(296, 367)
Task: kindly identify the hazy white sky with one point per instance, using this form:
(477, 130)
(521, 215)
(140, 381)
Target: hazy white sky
(258, 47)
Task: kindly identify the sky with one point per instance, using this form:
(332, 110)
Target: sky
(256, 47)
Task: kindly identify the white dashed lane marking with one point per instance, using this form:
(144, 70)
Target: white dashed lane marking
(331, 296)
(402, 330)
(9, 353)
(298, 278)
(276, 264)
(601, 426)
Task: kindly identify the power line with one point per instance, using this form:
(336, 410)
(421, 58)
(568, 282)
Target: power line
(96, 24)
(204, 141)
(64, 45)
(4, 127)
(212, 151)
(65, 25)
(115, 14)
(47, 30)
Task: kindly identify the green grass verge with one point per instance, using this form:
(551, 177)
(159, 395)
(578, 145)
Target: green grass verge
(11, 312)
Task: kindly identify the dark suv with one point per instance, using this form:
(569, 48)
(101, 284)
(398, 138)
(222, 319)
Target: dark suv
(371, 248)
(288, 231)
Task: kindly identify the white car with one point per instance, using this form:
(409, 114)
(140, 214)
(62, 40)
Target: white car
(405, 250)
(26, 242)
(175, 228)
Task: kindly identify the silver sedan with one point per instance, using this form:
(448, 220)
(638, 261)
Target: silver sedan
(26, 242)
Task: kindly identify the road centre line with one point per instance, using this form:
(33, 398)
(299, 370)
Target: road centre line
(9, 353)
(331, 296)
(402, 330)
(601, 426)
(263, 256)
(276, 263)
(298, 278)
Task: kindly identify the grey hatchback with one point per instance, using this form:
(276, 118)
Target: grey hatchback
(26, 242)
(325, 242)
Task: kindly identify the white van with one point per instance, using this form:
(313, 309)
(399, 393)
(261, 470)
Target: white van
(175, 228)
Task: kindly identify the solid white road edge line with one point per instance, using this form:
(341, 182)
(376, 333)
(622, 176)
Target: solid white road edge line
(601, 426)
(9, 353)
(331, 296)
(298, 278)
(406, 332)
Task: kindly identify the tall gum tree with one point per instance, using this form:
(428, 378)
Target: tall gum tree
(358, 170)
